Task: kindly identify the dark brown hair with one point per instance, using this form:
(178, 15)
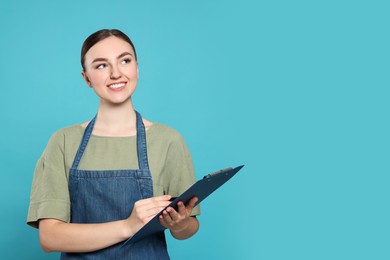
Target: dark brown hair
(99, 36)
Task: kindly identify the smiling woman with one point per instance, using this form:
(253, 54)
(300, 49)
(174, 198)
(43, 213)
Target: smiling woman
(111, 69)
(99, 182)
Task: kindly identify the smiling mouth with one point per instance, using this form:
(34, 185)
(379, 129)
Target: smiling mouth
(116, 85)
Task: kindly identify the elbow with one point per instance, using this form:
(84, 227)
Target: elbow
(46, 245)
(46, 249)
(48, 235)
(47, 240)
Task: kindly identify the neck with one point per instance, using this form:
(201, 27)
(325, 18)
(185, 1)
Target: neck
(116, 120)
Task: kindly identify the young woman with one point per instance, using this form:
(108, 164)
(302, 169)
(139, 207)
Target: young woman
(97, 183)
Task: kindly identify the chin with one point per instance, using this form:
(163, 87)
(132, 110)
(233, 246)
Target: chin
(116, 102)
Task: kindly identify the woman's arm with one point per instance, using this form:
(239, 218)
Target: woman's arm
(56, 235)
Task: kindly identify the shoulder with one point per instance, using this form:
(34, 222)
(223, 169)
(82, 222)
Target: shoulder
(68, 132)
(167, 139)
(64, 135)
(167, 133)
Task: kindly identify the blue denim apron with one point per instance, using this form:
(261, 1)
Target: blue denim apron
(102, 196)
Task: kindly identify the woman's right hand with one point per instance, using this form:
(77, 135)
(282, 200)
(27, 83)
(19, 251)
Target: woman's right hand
(144, 210)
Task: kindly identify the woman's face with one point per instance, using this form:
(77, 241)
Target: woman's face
(111, 70)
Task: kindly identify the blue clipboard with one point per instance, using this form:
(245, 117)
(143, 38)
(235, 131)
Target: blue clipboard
(201, 189)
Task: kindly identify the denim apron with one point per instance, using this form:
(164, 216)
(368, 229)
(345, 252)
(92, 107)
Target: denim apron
(101, 196)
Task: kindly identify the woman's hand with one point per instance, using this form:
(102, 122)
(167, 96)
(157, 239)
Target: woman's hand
(180, 222)
(144, 210)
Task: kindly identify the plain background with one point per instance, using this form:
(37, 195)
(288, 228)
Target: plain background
(298, 91)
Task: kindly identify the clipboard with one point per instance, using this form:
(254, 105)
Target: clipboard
(201, 189)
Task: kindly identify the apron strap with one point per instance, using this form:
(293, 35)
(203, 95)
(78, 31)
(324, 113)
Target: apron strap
(141, 144)
(83, 144)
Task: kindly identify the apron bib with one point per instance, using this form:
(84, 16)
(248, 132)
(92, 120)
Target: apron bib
(102, 196)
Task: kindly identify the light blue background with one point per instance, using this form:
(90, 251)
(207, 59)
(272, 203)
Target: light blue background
(298, 91)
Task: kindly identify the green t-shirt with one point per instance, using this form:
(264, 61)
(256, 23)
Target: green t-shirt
(169, 161)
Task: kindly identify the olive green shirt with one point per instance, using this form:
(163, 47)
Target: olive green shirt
(169, 161)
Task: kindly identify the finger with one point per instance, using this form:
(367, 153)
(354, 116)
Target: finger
(167, 218)
(191, 204)
(163, 197)
(151, 204)
(159, 204)
(151, 209)
(154, 199)
(173, 214)
(162, 221)
(155, 208)
(182, 209)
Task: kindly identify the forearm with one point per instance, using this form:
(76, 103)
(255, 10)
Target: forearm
(59, 236)
(190, 230)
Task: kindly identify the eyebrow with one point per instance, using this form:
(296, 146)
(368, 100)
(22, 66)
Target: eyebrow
(104, 59)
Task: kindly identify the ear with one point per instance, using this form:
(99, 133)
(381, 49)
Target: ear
(86, 78)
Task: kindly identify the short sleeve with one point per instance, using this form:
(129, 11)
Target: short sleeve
(180, 168)
(49, 196)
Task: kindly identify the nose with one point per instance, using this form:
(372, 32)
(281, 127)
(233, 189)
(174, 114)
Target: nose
(115, 73)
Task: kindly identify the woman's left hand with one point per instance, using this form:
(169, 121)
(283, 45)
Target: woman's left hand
(180, 220)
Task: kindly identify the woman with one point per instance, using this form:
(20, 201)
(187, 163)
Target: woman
(93, 187)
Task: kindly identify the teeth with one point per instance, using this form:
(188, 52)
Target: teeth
(115, 86)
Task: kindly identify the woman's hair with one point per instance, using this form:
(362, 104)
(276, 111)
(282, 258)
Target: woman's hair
(99, 36)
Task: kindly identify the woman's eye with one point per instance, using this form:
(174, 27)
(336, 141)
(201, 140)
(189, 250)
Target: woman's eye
(101, 66)
(126, 61)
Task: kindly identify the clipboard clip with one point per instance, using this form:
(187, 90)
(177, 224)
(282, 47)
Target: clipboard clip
(217, 172)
